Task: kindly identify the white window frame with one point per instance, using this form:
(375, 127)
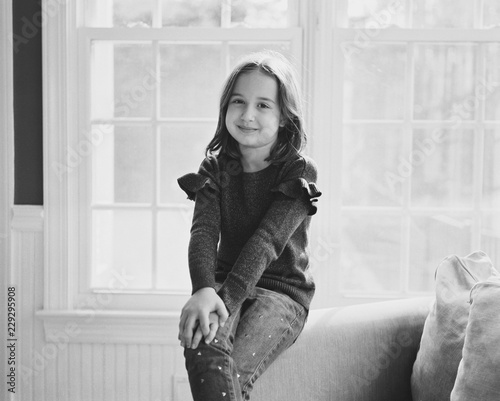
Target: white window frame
(342, 34)
(141, 299)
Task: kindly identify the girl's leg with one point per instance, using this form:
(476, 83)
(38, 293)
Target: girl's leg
(270, 322)
(211, 369)
(226, 369)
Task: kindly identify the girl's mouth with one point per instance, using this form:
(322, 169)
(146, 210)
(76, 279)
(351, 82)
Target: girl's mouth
(247, 129)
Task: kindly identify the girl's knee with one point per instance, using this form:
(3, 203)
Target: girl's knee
(204, 350)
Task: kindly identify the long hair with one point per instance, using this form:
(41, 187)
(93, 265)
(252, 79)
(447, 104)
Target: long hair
(292, 136)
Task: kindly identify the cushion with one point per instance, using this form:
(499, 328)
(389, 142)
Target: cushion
(436, 365)
(479, 369)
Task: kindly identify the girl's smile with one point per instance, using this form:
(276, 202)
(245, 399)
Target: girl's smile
(253, 115)
(246, 129)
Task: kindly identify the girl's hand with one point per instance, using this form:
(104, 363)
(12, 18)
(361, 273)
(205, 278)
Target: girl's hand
(196, 314)
(214, 326)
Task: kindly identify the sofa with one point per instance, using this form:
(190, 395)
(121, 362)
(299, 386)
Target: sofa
(355, 353)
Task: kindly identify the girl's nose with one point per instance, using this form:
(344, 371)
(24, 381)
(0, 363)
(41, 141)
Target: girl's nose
(248, 114)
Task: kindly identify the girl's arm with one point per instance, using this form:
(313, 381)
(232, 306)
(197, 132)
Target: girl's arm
(292, 205)
(204, 188)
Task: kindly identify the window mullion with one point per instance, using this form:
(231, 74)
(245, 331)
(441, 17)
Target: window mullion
(406, 214)
(155, 132)
(85, 124)
(225, 13)
(188, 35)
(478, 14)
(479, 133)
(157, 14)
(409, 13)
(293, 12)
(333, 145)
(417, 35)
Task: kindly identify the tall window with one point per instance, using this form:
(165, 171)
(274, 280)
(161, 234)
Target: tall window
(420, 123)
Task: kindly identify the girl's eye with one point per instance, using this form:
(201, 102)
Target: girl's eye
(237, 101)
(264, 106)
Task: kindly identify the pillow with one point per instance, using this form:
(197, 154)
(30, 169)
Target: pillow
(478, 372)
(440, 352)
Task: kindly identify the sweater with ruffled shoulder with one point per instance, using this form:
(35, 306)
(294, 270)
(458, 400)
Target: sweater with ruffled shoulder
(251, 229)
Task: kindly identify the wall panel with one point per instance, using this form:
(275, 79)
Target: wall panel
(57, 369)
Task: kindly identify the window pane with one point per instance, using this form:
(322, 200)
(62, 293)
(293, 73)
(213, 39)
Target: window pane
(490, 89)
(491, 172)
(442, 168)
(118, 13)
(133, 164)
(238, 50)
(191, 80)
(491, 17)
(182, 151)
(443, 13)
(259, 13)
(444, 82)
(371, 172)
(123, 166)
(431, 239)
(102, 80)
(134, 80)
(133, 13)
(194, 13)
(376, 14)
(103, 164)
(490, 236)
(374, 82)
(121, 244)
(123, 80)
(370, 258)
(173, 239)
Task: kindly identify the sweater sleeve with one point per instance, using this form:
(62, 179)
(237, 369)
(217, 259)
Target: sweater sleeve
(292, 204)
(204, 188)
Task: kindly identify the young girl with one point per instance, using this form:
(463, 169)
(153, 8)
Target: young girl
(248, 255)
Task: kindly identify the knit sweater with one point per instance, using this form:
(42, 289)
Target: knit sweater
(251, 229)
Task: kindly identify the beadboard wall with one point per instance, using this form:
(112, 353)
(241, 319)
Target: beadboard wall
(52, 367)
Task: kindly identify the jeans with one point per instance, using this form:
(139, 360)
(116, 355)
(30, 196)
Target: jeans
(267, 323)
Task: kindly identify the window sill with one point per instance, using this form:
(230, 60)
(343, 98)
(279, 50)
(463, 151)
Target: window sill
(110, 327)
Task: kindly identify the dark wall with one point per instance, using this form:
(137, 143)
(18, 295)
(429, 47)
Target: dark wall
(27, 42)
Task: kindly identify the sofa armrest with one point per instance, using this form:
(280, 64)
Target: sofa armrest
(362, 353)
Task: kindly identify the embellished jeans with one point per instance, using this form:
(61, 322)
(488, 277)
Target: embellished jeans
(267, 323)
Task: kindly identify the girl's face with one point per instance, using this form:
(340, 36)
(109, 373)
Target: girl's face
(253, 115)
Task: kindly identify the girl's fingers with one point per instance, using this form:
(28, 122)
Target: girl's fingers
(187, 332)
(213, 331)
(223, 314)
(204, 325)
(182, 322)
(198, 335)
